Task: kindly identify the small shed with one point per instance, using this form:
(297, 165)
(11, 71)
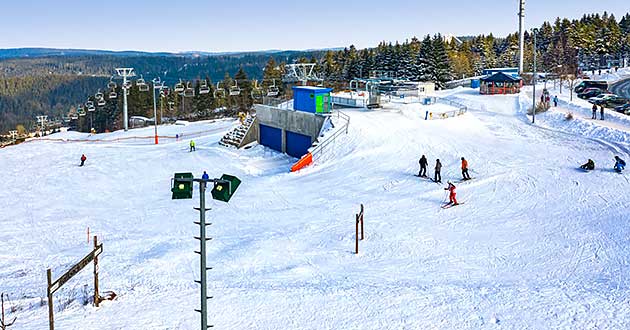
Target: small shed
(500, 83)
(312, 99)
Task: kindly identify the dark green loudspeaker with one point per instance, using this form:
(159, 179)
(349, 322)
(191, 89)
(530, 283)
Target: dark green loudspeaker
(224, 191)
(182, 189)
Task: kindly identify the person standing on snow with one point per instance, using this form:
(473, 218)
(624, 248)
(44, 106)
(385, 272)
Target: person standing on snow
(205, 176)
(620, 164)
(594, 116)
(192, 146)
(438, 168)
(555, 101)
(423, 167)
(83, 159)
(601, 112)
(465, 169)
(451, 196)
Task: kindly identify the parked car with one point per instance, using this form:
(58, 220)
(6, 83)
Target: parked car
(601, 84)
(601, 98)
(591, 92)
(614, 101)
(623, 108)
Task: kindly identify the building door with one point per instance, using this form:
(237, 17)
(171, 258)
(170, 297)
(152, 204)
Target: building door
(297, 144)
(271, 137)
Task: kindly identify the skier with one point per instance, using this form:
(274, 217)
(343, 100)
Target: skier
(601, 112)
(589, 166)
(555, 101)
(594, 111)
(451, 196)
(620, 164)
(465, 169)
(83, 159)
(423, 167)
(192, 146)
(438, 168)
(205, 176)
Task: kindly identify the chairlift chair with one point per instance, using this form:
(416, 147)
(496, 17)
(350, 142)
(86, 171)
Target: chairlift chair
(235, 90)
(74, 117)
(113, 95)
(82, 113)
(98, 95)
(257, 92)
(189, 91)
(91, 108)
(101, 102)
(179, 87)
(89, 104)
(204, 89)
(140, 81)
(219, 92)
(165, 91)
(273, 90)
(111, 84)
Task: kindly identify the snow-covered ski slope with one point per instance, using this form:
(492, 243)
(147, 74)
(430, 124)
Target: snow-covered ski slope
(538, 244)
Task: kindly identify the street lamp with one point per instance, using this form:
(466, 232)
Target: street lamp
(224, 188)
(534, 32)
(157, 84)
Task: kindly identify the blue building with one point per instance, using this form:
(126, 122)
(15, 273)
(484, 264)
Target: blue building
(312, 99)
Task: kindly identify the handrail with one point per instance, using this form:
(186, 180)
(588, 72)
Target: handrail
(319, 148)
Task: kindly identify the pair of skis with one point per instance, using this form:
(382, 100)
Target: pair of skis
(449, 205)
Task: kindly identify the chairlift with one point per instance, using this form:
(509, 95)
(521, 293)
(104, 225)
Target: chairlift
(89, 104)
(91, 108)
(273, 89)
(74, 117)
(219, 92)
(113, 95)
(179, 87)
(204, 89)
(189, 91)
(111, 84)
(257, 92)
(140, 81)
(98, 95)
(165, 91)
(235, 90)
(143, 87)
(82, 113)
(101, 102)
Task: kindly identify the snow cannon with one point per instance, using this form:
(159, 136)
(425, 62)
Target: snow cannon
(182, 186)
(225, 188)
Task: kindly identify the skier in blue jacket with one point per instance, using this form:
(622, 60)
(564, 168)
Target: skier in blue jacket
(205, 176)
(620, 164)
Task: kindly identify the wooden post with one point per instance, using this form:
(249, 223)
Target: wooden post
(361, 221)
(356, 236)
(96, 296)
(51, 318)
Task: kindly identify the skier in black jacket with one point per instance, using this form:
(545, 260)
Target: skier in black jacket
(438, 169)
(423, 167)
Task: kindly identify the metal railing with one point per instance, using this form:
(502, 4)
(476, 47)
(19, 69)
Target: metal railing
(461, 109)
(319, 149)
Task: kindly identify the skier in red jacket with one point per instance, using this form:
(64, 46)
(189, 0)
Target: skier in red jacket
(451, 196)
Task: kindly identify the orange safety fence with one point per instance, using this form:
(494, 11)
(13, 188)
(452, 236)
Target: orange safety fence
(303, 162)
(183, 136)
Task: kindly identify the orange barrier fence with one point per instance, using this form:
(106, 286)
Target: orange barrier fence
(303, 162)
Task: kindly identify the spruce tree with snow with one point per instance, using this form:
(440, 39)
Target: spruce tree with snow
(440, 67)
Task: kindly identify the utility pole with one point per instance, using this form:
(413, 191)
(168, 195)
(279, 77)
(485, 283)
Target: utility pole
(157, 84)
(42, 122)
(534, 32)
(4, 325)
(125, 73)
(521, 34)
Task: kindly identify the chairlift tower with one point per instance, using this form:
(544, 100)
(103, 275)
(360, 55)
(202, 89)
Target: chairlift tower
(521, 35)
(300, 72)
(157, 85)
(42, 123)
(125, 73)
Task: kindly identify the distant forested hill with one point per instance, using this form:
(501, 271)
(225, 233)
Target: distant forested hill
(47, 81)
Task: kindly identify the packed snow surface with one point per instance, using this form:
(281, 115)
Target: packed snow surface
(537, 244)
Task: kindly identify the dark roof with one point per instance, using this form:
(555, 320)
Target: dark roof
(500, 77)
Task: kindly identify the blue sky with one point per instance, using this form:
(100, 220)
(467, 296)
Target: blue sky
(258, 25)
